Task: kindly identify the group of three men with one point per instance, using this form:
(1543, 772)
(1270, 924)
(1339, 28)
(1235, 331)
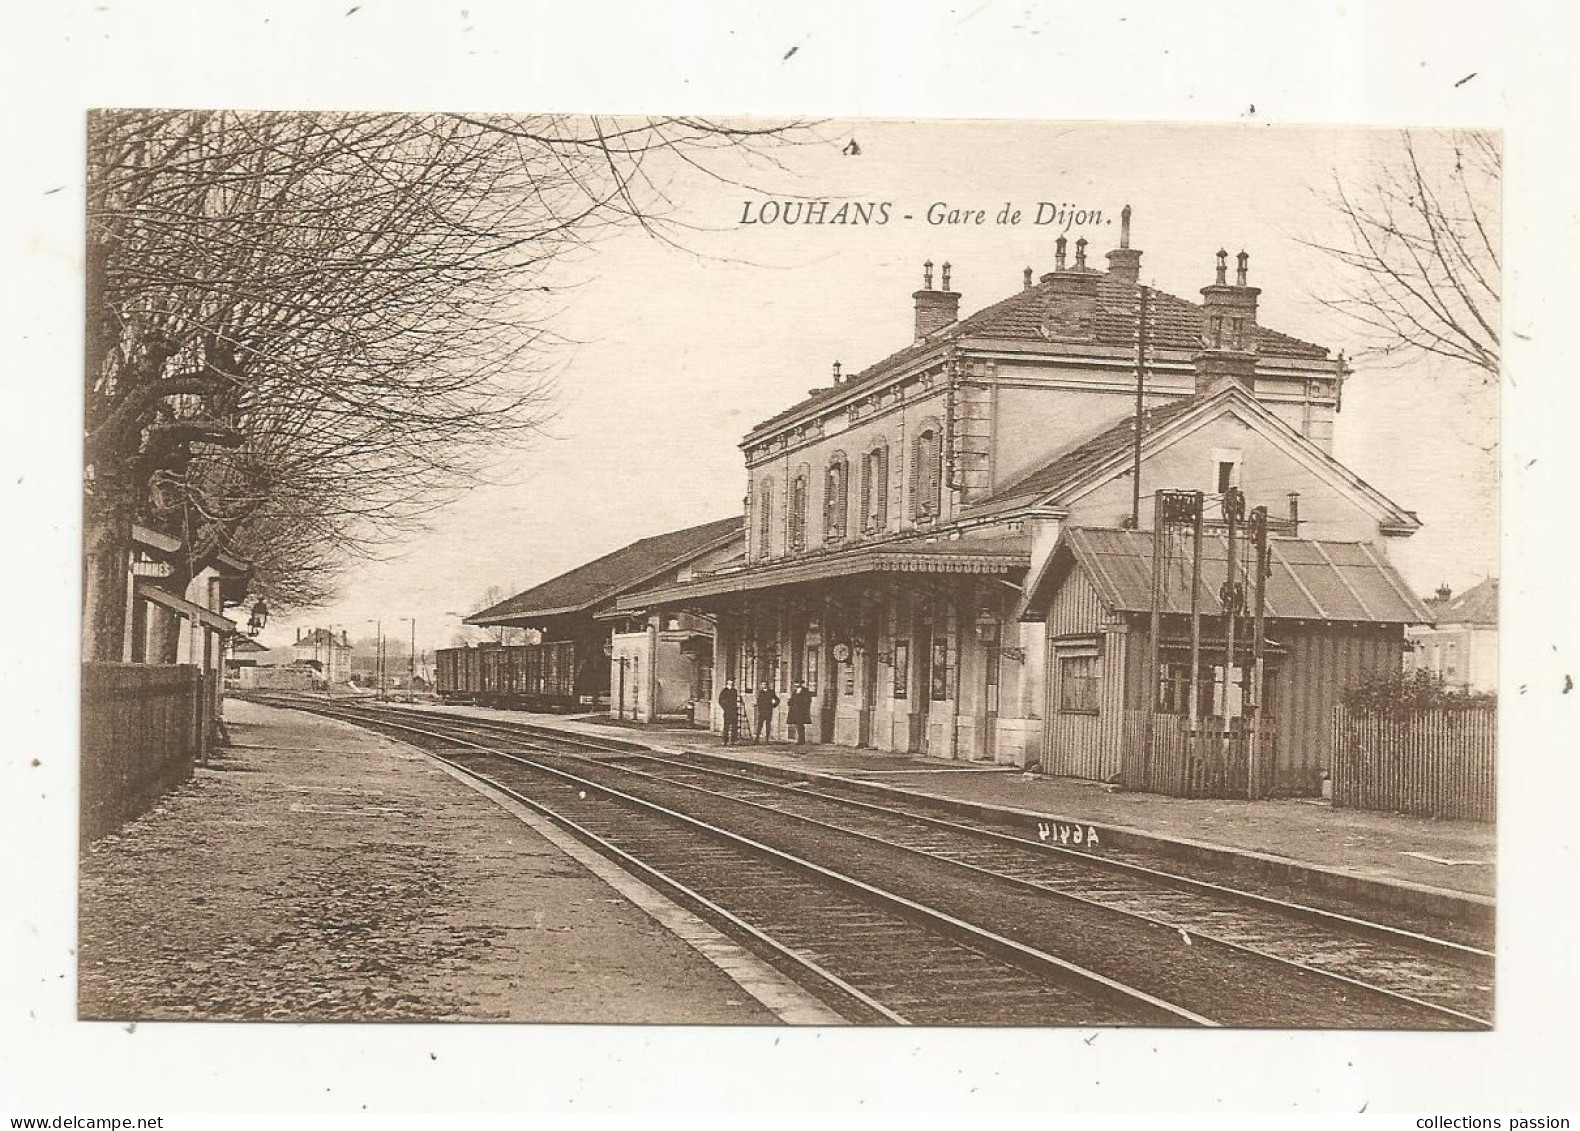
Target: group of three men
(734, 703)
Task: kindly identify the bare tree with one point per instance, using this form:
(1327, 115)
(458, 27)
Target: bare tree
(305, 331)
(1421, 253)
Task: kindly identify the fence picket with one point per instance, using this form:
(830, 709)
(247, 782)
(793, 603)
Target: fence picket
(1434, 763)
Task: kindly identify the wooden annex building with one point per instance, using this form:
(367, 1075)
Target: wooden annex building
(1335, 617)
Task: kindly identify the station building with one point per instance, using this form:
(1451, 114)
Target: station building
(901, 522)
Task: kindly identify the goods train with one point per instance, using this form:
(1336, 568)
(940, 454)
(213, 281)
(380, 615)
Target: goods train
(556, 676)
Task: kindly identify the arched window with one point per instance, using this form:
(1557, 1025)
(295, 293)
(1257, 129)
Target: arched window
(926, 476)
(798, 512)
(765, 518)
(836, 492)
(875, 490)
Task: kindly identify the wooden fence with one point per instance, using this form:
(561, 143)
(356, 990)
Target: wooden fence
(143, 727)
(1207, 763)
(1434, 763)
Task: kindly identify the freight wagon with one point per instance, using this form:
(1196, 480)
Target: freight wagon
(551, 676)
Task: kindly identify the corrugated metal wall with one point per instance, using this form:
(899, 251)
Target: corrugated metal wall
(1076, 744)
(1075, 608)
(1323, 661)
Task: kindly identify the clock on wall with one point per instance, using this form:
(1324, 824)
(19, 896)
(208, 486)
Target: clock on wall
(842, 652)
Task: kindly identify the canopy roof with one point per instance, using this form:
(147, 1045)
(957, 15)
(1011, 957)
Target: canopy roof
(599, 581)
(916, 555)
(1310, 579)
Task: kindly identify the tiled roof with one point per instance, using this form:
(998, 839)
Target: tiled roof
(1311, 580)
(1476, 605)
(1176, 324)
(599, 580)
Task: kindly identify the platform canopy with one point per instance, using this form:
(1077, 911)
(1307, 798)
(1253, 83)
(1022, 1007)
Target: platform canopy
(1310, 579)
(996, 556)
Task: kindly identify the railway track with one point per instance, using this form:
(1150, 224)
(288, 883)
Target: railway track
(1213, 953)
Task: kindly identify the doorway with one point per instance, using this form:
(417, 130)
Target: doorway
(923, 689)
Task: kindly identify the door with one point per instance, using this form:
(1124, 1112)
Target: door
(923, 691)
(990, 654)
(869, 687)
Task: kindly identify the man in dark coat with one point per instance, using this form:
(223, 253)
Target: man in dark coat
(730, 700)
(766, 702)
(800, 712)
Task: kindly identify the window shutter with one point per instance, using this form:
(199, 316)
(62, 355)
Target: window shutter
(842, 501)
(766, 516)
(883, 488)
(915, 485)
(866, 492)
(935, 452)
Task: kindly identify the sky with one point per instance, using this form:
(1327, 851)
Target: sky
(674, 352)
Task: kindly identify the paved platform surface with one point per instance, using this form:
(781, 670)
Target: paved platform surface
(1456, 857)
(319, 872)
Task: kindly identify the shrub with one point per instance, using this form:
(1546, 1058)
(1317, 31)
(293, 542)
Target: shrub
(1417, 691)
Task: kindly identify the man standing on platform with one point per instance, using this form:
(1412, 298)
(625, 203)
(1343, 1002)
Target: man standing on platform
(730, 700)
(766, 702)
(800, 712)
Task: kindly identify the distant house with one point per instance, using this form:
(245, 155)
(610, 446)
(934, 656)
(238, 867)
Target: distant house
(1461, 643)
(328, 653)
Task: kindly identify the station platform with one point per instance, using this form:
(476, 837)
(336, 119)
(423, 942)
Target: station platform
(1443, 868)
(317, 872)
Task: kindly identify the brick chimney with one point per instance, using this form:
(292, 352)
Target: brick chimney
(1071, 311)
(1124, 262)
(935, 309)
(1228, 327)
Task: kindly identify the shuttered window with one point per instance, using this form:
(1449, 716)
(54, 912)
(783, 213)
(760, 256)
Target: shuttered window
(765, 518)
(875, 491)
(925, 475)
(798, 513)
(836, 490)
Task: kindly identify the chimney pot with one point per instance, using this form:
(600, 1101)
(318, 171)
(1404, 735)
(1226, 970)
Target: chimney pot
(1058, 253)
(836, 373)
(927, 275)
(1080, 254)
(1025, 279)
(1444, 592)
(1239, 276)
(1124, 262)
(1223, 267)
(946, 274)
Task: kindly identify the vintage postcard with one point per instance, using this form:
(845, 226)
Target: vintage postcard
(715, 571)
(713, 558)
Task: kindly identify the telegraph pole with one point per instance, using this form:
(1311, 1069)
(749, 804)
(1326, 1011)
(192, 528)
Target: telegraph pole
(1233, 511)
(1197, 500)
(1263, 568)
(1141, 386)
(1155, 640)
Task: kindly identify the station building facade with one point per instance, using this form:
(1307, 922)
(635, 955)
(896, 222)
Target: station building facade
(895, 519)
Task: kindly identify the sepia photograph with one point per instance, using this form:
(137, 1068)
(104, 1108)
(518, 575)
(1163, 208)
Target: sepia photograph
(559, 568)
(758, 561)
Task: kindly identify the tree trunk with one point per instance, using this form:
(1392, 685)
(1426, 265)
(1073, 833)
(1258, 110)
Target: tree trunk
(105, 581)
